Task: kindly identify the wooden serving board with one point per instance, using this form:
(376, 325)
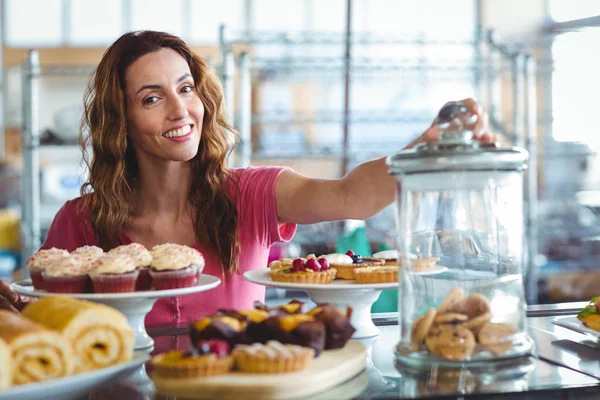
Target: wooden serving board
(328, 370)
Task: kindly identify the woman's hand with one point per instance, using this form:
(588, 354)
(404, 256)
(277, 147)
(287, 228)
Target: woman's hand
(10, 300)
(481, 132)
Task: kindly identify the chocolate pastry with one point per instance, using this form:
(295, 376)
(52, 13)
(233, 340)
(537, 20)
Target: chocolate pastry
(338, 329)
(299, 329)
(223, 327)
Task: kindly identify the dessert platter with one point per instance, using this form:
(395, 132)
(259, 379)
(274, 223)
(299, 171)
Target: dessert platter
(587, 320)
(128, 278)
(61, 347)
(266, 353)
(343, 280)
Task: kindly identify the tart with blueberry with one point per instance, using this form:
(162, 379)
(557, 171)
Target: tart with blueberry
(345, 264)
(208, 358)
(310, 270)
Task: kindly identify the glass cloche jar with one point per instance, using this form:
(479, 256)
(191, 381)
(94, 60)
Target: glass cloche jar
(460, 244)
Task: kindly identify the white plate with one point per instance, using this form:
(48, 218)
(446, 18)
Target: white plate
(205, 282)
(262, 277)
(73, 386)
(574, 324)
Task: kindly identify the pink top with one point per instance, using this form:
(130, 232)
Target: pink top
(258, 230)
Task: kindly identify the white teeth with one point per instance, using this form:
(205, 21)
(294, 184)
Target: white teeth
(184, 130)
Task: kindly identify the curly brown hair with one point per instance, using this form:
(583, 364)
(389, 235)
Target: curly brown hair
(113, 166)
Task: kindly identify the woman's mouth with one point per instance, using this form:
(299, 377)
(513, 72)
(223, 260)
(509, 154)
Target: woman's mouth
(180, 134)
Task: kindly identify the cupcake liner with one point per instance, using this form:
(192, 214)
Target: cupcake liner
(194, 367)
(322, 277)
(66, 283)
(115, 283)
(144, 280)
(174, 279)
(37, 279)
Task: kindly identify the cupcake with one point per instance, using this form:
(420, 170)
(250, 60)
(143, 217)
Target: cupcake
(142, 259)
(66, 274)
(272, 357)
(114, 273)
(175, 266)
(39, 262)
(208, 358)
(88, 253)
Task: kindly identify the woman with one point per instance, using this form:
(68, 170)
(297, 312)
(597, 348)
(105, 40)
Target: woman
(158, 173)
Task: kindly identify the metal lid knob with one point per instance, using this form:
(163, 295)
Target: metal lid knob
(456, 122)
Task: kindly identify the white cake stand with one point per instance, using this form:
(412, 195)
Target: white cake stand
(134, 305)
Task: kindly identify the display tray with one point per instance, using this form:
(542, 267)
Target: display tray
(574, 324)
(330, 369)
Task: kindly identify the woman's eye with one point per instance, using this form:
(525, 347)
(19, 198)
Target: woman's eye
(150, 100)
(187, 89)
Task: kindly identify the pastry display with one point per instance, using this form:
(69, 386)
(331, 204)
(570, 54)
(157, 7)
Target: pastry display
(114, 273)
(142, 259)
(37, 353)
(590, 315)
(6, 366)
(175, 266)
(309, 270)
(99, 335)
(346, 264)
(207, 358)
(39, 262)
(460, 327)
(272, 357)
(67, 274)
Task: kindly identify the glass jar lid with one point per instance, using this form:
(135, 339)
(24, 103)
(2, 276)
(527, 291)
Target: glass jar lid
(456, 150)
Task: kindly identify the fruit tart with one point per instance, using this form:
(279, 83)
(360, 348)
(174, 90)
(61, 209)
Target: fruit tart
(345, 264)
(310, 270)
(338, 329)
(208, 358)
(590, 315)
(272, 357)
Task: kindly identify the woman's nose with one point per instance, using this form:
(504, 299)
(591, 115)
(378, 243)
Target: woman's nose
(177, 109)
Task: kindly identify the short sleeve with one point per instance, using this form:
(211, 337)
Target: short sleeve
(258, 206)
(69, 230)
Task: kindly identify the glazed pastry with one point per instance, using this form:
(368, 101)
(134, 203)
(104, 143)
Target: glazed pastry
(308, 270)
(100, 335)
(346, 264)
(39, 262)
(590, 315)
(142, 259)
(38, 353)
(6, 366)
(228, 327)
(114, 273)
(272, 357)
(209, 358)
(303, 330)
(175, 266)
(338, 329)
(293, 307)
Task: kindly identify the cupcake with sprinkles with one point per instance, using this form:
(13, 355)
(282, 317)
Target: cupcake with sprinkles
(67, 274)
(175, 266)
(142, 259)
(88, 253)
(39, 262)
(114, 273)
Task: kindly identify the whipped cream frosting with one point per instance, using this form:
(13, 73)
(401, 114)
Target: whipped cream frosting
(141, 256)
(89, 253)
(67, 265)
(42, 258)
(337, 258)
(174, 257)
(112, 264)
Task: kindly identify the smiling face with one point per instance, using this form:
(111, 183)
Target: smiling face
(164, 112)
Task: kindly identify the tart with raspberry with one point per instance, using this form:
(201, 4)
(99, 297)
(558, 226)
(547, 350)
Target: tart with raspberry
(346, 264)
(310, 270)
(208, 358)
